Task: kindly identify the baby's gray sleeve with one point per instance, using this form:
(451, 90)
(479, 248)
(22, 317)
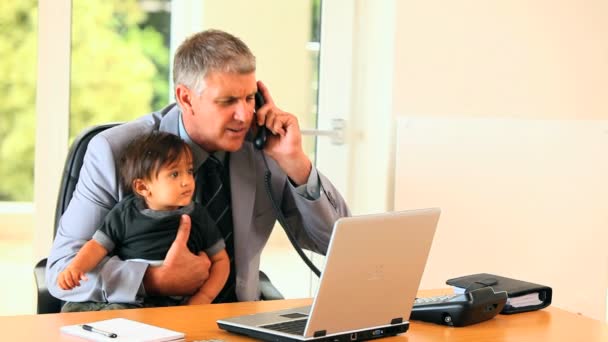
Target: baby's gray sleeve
(104, 240)
(216, 247)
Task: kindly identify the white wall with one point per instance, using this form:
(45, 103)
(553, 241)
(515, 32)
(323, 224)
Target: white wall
(526, 199)
(370, 123)
(540, 59)
(277, 32)
(530, 175)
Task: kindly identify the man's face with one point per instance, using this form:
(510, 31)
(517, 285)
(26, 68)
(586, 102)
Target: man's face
(221, 115)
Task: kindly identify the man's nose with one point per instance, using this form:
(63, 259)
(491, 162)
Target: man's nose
(243, 111)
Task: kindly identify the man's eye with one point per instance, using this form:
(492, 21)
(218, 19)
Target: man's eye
(228, 102)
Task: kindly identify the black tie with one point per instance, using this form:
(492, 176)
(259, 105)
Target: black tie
(214, 193)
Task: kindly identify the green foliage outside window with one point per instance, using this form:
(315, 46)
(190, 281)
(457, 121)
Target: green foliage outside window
(119, 72)
(18, 26)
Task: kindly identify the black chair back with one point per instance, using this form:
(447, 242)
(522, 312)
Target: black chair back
(71, 171)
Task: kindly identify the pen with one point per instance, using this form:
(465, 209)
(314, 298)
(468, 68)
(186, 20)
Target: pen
(95, 330)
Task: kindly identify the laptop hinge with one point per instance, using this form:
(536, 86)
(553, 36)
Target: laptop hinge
(320, 333)
(397, 320)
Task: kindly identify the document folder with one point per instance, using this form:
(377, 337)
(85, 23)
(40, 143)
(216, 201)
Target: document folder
(522, 295)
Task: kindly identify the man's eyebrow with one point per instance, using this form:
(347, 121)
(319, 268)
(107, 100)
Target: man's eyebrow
(226, 98)
(230, 98)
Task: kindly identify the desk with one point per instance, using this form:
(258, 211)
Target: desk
(198, 322)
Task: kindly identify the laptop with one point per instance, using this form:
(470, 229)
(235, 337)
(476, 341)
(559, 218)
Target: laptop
(372, 272)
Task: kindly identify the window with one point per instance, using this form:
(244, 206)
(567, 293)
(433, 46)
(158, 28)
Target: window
(120, 69)
(18, 48)
(18, 26)
(120, 60)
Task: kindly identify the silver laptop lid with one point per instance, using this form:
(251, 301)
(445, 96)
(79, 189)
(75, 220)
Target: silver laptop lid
(373, 270)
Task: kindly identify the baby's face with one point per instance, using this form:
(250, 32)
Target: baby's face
(174, 186)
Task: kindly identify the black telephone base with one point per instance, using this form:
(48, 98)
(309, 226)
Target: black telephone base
(469, 308)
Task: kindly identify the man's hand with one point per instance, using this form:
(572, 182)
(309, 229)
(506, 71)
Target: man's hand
(70, 278)
(182, 273)
(285, 146)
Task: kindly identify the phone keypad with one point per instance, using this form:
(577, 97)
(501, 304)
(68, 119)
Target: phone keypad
(434, 299)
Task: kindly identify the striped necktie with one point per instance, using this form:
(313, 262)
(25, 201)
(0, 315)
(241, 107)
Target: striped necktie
(213, 191)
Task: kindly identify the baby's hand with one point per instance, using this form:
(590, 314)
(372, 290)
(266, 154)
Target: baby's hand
(199, 298)
(70, 278)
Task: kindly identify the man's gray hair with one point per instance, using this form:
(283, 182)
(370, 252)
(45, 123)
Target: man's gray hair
(210, 51)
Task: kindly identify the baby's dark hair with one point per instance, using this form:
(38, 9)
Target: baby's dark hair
(146, 154)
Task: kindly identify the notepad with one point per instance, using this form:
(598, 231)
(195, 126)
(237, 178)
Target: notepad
(126, 329)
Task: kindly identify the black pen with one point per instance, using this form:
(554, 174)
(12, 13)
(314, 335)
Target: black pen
(97, 331)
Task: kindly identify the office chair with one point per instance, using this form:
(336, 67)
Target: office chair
(46, 302)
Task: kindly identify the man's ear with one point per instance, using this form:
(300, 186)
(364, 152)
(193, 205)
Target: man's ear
(183, 95)
(140, 187)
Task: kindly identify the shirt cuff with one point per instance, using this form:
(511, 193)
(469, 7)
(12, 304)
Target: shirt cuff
(311, 190)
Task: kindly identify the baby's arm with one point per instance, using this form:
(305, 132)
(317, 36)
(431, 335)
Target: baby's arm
(87, 259)
(218, 274)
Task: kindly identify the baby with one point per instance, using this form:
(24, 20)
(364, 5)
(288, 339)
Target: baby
(158, 169)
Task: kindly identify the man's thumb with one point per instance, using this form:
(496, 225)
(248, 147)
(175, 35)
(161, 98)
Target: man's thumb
(183, 232)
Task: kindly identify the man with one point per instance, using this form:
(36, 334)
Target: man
(215, 84)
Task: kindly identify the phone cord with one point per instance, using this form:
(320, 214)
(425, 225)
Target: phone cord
(283, 221)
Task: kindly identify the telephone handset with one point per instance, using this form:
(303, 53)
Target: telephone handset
(259, 141)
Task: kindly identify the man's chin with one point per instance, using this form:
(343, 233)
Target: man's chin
(227, 145)
(233, 145)
(233, 149)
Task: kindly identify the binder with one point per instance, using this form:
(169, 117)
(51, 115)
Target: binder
(522, 296)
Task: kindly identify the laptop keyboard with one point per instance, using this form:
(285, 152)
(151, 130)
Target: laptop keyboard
(295, 327)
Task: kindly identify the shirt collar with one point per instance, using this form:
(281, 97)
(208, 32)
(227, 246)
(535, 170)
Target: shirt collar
(198, 153)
